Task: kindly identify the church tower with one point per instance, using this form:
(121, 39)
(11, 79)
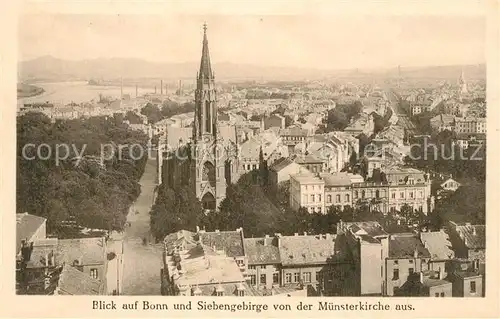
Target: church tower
(207, 150)
(462, 83)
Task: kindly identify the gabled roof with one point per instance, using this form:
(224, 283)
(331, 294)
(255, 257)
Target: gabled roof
(474, 236)
(85, 251)
(404, 246)
(182, 238)
(74, 282)
(26, 226)
(438, 244)
(281, 164)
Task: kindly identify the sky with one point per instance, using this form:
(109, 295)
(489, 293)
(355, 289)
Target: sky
(322, 42)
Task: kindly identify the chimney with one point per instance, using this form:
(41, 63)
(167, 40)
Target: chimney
(197, 228)
(216, 230)
(53, 259)
(46, 260)
(474, 232)
(296, 234)
(421, 277)
(305, 233)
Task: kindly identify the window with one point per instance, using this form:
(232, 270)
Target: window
(296, 277)
(276, 278)
(253, 280)
(395, 274)
(393, 195)
(306, 277)
(473, 287)
(319, 197)
(251, 267)
(288, 278)
(395, 262)
(319, 209)
(318, 276)
(263, 279)
(93, 273)
(356, 194)
(347, 198)
(411, 194)
(329, 198)
(411, 261)
(377, 193)
(411, 270)
(436, 294)
(262, 266)
(220, 293)
(312, 198)
(401, 195)
(442, 294)
(420, 208)
(337, 199)
(363, 194)
(241, 293)
(421, 194)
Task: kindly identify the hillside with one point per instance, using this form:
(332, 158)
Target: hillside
(48, 68)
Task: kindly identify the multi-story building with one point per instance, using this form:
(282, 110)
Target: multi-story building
(264, 263)
(293, 136)
(337, 190)
(364, 245)
(407, 255)
(468, 241)
(313, 163)
(41, 262)
(307, 260)
(230, 242)
(411, 187)
(307, 190)
(281, 170)
(470, 125)
(442, 122)
(374, 195)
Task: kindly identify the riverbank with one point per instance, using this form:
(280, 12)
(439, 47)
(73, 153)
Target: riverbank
(28, 90)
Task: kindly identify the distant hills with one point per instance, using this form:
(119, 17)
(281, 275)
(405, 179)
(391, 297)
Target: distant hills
(48, 68)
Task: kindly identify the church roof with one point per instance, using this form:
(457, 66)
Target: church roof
(205, 66)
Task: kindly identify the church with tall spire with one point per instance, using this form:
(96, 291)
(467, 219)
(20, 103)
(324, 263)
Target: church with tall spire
(209, 161)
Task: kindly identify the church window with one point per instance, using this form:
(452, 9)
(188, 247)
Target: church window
(208, 120)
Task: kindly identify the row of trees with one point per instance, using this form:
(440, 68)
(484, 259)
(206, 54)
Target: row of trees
(339, 118)
(77, 188)
(156, 113)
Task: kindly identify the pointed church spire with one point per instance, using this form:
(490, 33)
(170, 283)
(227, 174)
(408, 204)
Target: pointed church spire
(205, 67)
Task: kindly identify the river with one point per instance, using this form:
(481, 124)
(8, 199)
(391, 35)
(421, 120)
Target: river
(61, 93)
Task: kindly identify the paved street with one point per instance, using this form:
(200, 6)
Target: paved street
(142, 262)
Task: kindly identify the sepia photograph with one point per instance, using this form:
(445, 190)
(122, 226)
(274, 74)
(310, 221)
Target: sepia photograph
(251, 156)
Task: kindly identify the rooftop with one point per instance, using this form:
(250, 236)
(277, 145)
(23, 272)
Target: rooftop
(26, 226)
(404, 246)
(438, 244)
(262, 250)
(229, 241)
(474, 236)
(85, 251)
(370, 228)
(201, 265)
(337, 179)
(74, 282)
(307, 178)
(309, 249)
